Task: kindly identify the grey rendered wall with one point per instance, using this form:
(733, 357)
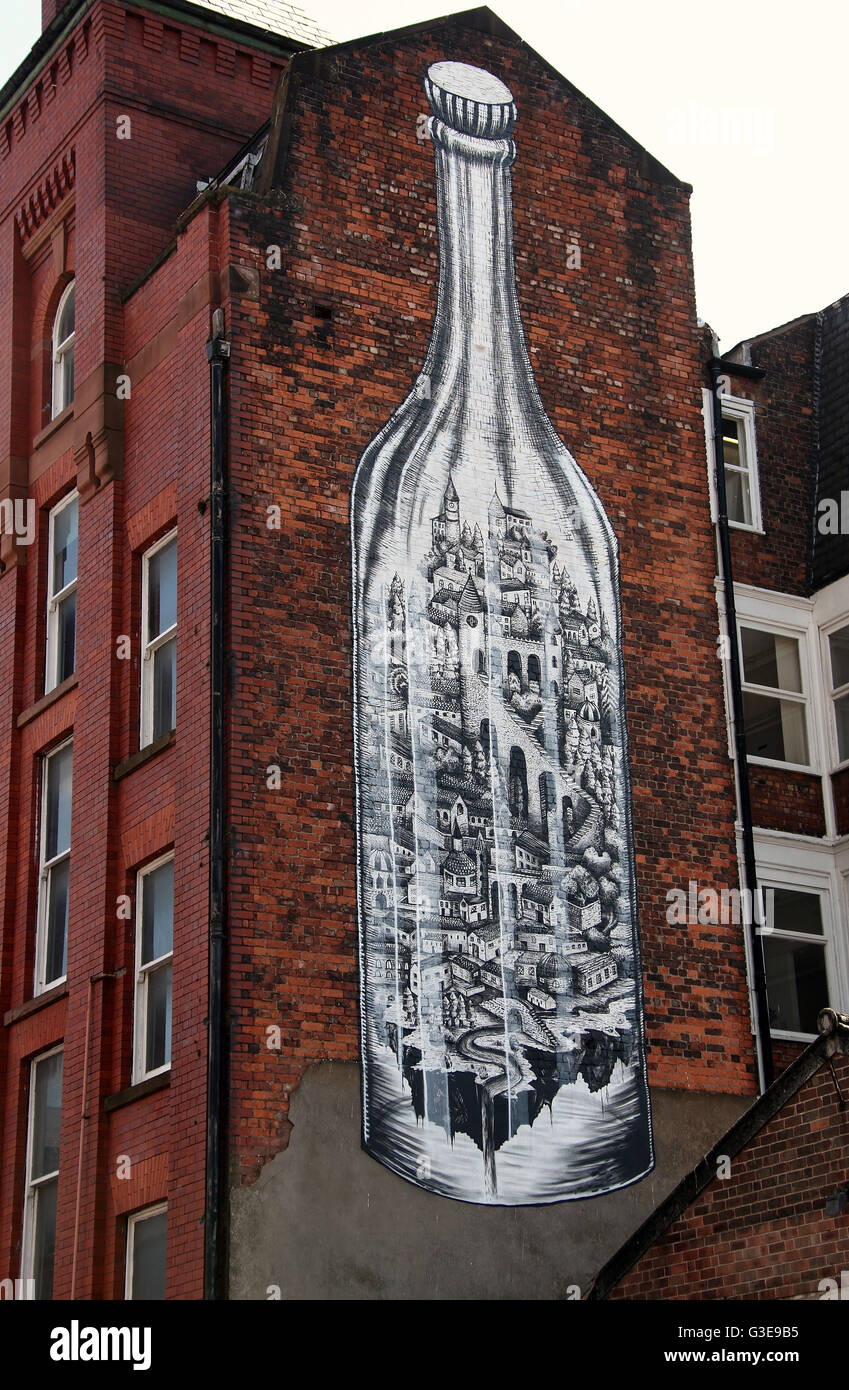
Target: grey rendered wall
(325, 1221)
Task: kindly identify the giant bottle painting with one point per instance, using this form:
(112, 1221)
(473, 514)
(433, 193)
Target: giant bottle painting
(500, 997)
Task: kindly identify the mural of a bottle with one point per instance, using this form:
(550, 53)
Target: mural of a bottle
(500, 995)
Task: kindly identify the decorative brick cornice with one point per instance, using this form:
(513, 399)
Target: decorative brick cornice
(46, 197)
(62, 69)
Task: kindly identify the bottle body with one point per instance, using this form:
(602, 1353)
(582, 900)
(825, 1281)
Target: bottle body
(500, 998)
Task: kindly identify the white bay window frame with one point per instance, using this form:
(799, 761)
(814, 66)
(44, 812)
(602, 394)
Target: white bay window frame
(779, 620)
(833, 692)
(808, 865)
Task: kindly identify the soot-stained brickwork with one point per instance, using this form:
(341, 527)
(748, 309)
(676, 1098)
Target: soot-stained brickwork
(323, 349)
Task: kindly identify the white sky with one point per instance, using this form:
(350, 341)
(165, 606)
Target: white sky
(746, 101)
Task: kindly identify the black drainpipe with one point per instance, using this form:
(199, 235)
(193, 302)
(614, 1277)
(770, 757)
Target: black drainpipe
(750, 879)
(217, 352)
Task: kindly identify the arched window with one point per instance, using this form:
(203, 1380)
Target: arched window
(63, 352)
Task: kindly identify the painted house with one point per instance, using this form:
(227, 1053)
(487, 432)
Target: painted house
(531, 938)
(433, 969)
(485, 942)
(592, 974)
(541, 1000)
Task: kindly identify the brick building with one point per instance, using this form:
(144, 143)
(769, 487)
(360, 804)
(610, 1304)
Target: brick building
(176, 762)
(785, 430)
(763, 1214)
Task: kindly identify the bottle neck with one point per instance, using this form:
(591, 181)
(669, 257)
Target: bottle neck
(478, 344)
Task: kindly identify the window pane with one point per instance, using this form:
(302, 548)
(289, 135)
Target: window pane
(67, 634)
(44, 1238)
(731, 451)
(793, 910)
(165, 688)
(148, 1274)
(162, 591)
(67, 377)
(796, 983)
(775, 728)
(46, 1115)
(57, 921)
(738, 497)
(65, 546)
(158, 1042)
(771, 660)
(65, 322)
(838, 643)
(841, 714)
(157, 912)
(58, 829)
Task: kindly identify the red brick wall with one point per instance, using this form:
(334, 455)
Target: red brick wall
(617, 359)
(762, 1233)
(784, 439)
(840, 784)
(117, 200)
(784, 800)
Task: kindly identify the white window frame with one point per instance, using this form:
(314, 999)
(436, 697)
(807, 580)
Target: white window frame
(149, 648)
(59, 354)
(44, 870)
(55, 599)
(812, 866)
(741, 409)
(142, 975)
(777, 628)
(832, 693)
(133, 1220)
(32, 1186)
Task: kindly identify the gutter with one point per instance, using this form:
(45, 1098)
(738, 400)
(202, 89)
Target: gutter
(763, 1037)
(214, 1273)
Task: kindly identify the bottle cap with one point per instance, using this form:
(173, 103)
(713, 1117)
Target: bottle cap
(470, 100)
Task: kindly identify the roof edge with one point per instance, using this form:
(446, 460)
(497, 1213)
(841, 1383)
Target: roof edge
(834, 1037)
(785, 327)
(486, 21)
(73, 10)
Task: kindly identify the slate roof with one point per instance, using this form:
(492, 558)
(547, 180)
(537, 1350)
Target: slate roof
(459, 863)
(278, 16)
(488, 932)
(538, 892)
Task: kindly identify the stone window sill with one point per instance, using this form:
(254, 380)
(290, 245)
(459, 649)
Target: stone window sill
(144, 755)
(55, 424)
(39, 1001)
(137, 1092)
(46, 701)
